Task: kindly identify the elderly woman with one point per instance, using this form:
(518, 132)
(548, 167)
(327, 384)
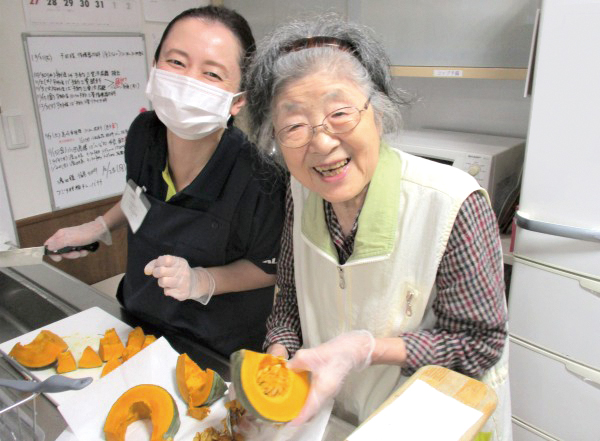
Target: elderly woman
(389, 262)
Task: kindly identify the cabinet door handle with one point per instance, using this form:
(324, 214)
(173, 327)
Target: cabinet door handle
(588, 234)
(588, 376)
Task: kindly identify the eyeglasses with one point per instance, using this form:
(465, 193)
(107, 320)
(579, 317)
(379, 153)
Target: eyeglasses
(337, 122)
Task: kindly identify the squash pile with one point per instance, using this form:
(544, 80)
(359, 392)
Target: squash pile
(114, 353)
(48, 349)
(266, 388)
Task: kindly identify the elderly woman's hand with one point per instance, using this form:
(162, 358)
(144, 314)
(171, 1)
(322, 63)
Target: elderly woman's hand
(329, 364)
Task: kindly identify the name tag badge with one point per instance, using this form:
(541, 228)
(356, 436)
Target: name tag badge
(135, 205)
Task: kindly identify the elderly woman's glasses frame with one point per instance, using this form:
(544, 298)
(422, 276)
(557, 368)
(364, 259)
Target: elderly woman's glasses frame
(338, 122)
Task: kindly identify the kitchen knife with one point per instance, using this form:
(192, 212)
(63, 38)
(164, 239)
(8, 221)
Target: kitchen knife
(34, 256)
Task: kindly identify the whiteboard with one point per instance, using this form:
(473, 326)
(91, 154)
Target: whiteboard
(87, 89)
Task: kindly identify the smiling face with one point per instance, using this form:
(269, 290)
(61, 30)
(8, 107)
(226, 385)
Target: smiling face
(206, 51)
(337, 167)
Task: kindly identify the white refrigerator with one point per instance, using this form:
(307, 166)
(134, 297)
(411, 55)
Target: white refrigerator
(554, 301)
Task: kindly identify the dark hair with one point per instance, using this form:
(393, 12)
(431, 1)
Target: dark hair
(227, 17)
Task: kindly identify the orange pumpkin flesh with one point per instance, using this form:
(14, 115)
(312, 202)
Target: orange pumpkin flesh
(66, 362)
(142, 402)
(41, 352)
(148, 339)
(199, 412)
(198, 387)
(266, 387)
(135, 340)
(89, 359)
(111, 365)
(110, 346)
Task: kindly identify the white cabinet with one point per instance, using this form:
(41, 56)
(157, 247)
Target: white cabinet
(468, 33)
(554, 301)
(459, 38)
(557, 310)
(554, 393)
(554, 358)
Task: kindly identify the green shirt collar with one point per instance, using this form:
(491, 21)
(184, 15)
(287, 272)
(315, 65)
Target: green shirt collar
(378, 219)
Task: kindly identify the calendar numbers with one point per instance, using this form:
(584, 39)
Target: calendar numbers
(84, 15)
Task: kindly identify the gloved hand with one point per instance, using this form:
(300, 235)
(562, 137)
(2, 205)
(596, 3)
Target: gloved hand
(330, 363)
(83, 234)
(180, 281)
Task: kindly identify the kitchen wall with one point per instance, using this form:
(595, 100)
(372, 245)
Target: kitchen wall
(24, 168)
(484, 106)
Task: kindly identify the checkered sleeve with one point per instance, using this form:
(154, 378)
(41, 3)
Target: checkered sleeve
(470, 307)
(283, 324)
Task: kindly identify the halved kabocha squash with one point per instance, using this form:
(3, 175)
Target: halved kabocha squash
(41, 352)
(144, 401)
(198, 387)
(266, 388)
(89, 359)
(110, 346)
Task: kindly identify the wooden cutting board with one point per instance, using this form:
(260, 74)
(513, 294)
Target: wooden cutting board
(468, 391)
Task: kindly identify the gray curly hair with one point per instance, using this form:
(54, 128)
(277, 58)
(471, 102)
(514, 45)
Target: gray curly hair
(359, 58)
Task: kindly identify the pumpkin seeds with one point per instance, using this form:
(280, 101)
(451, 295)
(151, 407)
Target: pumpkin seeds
(273, 379)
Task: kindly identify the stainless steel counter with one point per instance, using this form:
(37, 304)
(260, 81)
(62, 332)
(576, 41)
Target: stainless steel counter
(35, 296)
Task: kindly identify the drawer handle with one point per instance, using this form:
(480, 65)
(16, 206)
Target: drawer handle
(588, 234)
(588, 376)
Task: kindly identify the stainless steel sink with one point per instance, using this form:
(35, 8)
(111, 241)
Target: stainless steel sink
(25, 307)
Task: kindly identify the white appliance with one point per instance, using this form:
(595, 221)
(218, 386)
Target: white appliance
(554, 300)
(494, 161)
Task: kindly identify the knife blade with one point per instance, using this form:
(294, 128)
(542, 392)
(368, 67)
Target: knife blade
(34, 255)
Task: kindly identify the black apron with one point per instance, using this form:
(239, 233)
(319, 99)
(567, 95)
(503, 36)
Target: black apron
(229, 321)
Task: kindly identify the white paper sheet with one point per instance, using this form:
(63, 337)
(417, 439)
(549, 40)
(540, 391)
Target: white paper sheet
(156, 364)
(420, 413)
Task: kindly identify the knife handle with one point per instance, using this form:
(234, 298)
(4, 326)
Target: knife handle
(90, 247)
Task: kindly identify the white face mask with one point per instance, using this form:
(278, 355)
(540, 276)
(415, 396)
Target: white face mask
(189, 108)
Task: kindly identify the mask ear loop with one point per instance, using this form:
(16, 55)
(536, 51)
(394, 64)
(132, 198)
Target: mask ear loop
(236, 97)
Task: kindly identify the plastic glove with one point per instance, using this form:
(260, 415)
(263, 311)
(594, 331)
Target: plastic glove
(180, 281)
(83, 234)
(329, 364)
